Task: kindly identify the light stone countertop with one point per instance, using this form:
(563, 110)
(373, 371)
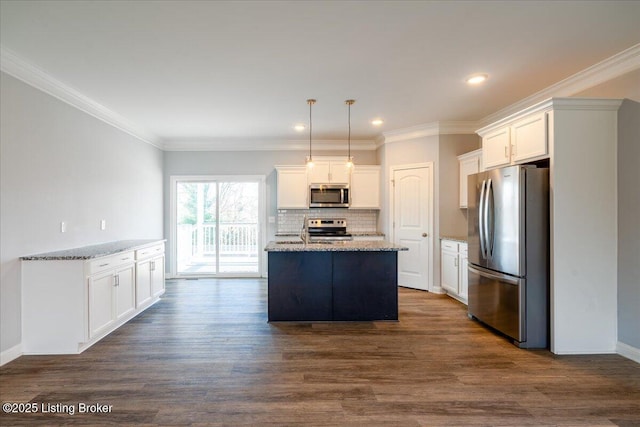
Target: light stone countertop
(462, 239)
(92, 251)
(340, 246)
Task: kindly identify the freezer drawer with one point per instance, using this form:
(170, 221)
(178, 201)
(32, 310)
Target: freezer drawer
(499, 301)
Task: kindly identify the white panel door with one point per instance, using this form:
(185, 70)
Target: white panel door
(411, 220)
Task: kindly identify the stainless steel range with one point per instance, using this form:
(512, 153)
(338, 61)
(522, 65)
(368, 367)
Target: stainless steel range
(327, 230)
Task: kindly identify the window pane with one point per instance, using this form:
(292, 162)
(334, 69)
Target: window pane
(239, 227)
(196, 227)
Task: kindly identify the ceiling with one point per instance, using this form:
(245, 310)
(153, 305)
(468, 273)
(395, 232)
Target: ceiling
(242, 70)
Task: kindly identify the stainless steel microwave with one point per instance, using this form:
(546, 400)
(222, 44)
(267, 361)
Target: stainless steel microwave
(329, 196)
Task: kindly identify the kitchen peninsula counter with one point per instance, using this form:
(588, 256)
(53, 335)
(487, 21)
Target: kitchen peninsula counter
(337, 281)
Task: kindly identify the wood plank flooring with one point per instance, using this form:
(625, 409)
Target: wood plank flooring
(205, 356)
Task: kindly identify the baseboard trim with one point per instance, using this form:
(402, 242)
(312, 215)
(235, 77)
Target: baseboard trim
(10, 354)
(628, 351)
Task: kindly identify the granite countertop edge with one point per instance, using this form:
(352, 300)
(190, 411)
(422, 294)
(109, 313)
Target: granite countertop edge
(353, 233)
(92, 251)
(348, 246)
(462, 239)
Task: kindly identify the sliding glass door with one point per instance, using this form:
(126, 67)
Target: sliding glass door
(217, 226)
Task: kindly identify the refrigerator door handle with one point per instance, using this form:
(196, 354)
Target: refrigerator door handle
(494, 275)
(489, 219)
(481, 219)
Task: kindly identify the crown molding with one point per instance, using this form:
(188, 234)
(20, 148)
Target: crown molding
(428, 129)
(15, 66)
(458, 127)
(419, 131)
(615, 66)
(262, 145)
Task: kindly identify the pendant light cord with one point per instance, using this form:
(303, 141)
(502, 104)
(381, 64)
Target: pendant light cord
(349, 131)
(349, 102)
(310, 102)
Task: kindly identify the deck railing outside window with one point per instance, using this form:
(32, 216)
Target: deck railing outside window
(235, 239)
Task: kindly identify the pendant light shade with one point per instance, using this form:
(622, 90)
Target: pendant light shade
(309, 157)
(349, 103)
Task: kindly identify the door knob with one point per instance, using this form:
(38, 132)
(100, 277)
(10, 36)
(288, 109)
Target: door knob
(424, 234)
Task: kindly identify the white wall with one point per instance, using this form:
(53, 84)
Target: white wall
(418, 150)
(442, 150)
(240, 163)
(584, 232)
(628, 224)
(60, 164)
(453, 220)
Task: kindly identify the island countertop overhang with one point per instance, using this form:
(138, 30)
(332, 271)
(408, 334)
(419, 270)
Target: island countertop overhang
(338, 246)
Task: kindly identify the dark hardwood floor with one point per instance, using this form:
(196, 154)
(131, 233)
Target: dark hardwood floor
(205, 355)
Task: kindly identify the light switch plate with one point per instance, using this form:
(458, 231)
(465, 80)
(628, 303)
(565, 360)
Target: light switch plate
(103, 224)
(63, 227)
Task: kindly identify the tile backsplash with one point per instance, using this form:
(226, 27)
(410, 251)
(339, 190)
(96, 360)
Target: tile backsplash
(290, 220)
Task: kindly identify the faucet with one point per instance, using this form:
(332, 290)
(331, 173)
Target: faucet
(303, 230)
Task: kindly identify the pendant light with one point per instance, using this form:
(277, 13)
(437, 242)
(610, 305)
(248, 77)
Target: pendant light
(309, 158)
(349, 102)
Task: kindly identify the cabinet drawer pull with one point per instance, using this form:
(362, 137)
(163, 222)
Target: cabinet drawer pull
(103, 265)
(505, 151)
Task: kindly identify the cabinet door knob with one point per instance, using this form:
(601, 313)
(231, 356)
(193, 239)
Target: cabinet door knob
(424, 234)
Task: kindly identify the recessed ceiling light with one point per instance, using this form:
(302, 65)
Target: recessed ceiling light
(299, 127)
(476, 79)
(377, 122)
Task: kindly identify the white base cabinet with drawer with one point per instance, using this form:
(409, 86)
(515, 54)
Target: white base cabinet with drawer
(453, 269)
(149, 274)
(70, 304)
(111, 298)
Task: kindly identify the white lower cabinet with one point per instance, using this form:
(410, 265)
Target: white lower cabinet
(453, 269)
(68, 304)
(149, 274)
(111, 298)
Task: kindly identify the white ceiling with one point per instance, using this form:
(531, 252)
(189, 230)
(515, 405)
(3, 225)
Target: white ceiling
(242, 70)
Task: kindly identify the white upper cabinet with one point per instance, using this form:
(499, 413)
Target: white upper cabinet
(515, 140)
(292, 187)
(468, 163)
(330, 171)
(495, 148)
(365, 187)
(363, 181)
(529, 138)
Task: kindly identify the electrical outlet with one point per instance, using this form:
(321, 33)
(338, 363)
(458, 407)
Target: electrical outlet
(63, 227)
(103, 224)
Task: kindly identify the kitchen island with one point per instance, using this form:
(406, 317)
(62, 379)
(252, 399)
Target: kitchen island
(340, 281)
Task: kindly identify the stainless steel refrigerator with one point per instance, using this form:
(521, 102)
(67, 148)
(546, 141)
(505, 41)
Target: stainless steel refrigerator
(508, 237)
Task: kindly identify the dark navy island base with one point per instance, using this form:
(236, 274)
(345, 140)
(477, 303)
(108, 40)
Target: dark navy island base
(333, 285)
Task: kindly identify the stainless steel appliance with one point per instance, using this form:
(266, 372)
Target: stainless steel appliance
(327, 230)
(508, 237)
(329, 196)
